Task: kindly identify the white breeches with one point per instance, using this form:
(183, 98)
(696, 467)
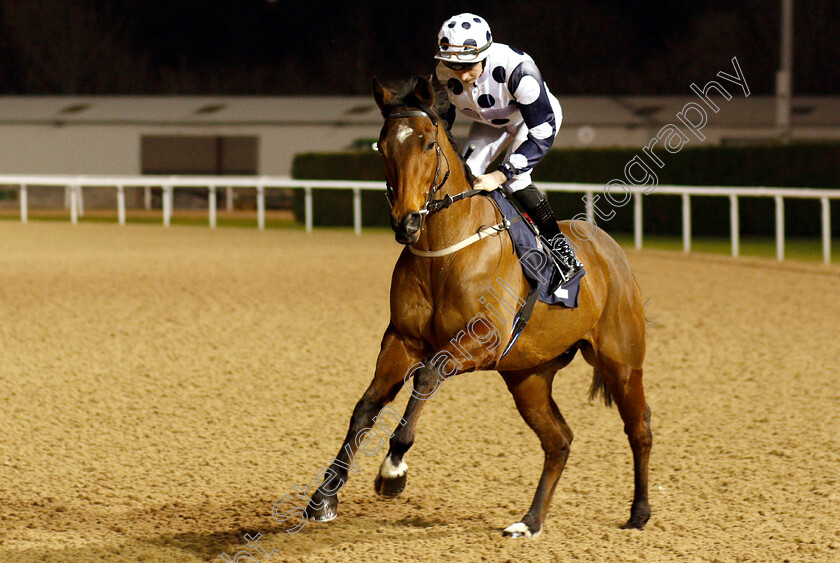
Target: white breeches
(490, 141)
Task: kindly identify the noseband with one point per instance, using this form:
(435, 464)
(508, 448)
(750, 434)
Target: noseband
(432, 205)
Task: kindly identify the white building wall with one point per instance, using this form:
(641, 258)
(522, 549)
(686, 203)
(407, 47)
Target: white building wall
(37, 149)
(278, 146)
(46, 135)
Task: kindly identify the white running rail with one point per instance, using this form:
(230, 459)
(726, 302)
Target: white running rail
(73, 186)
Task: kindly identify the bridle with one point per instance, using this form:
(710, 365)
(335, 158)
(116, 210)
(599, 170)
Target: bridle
(435, 186)
(432, 205)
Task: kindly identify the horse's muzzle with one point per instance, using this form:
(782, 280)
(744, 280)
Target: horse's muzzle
(407, 231)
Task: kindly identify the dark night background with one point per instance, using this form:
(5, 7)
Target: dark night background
(260, 47)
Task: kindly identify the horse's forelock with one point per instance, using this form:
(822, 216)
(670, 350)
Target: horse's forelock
(405, 99)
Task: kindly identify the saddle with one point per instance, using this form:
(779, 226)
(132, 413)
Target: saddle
(538, 266)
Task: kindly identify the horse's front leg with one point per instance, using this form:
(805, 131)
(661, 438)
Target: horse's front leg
(469, 350)
(367, 426)
(390, 481)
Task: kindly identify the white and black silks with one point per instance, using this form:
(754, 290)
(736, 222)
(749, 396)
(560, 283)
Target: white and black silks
(511, 107)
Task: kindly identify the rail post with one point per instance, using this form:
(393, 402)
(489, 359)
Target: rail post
(734, 225)
(211, 206)
(357, 211)
(686, 221)
(81, 199)
(167, 204)
(590, 206)
(121, 205)
(826, 229)
(308, 207)
(74, 205)
(228, 198)
(24, 204)
(780, 228)
(637, 219)
(261, 207)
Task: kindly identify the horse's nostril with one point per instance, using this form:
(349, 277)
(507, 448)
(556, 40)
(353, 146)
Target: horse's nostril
(411, 223)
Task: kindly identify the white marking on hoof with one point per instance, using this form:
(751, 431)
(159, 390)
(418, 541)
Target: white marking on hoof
(389, 471)
(519, 530)
(329, 517)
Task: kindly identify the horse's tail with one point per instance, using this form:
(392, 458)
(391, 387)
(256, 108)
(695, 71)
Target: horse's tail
(599, 387)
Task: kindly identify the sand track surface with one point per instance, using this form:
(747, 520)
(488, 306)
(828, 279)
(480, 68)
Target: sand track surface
(163, 388)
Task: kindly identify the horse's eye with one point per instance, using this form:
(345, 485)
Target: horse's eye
(430, 146)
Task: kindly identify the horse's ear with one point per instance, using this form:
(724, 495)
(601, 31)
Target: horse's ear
(424, 91)
(381, 94)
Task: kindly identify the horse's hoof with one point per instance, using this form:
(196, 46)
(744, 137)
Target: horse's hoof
(392, 487)
(636, 523)
(391, 479)
(520, 530)
(638, 518)
(324, 511)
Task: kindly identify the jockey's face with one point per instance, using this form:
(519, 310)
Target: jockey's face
(470, 74)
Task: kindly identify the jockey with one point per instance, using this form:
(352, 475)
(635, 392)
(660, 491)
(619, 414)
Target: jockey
(501, 90)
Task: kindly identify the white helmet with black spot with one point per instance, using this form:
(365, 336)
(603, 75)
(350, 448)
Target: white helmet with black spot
(464, 38)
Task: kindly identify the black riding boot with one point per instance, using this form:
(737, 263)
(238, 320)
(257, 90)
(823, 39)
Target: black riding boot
(538, 209)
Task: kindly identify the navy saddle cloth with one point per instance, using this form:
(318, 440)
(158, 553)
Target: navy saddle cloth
(536, 265)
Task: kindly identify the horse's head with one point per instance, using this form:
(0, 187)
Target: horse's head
(409, 143)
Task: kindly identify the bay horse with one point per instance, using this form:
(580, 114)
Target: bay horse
(434, 299)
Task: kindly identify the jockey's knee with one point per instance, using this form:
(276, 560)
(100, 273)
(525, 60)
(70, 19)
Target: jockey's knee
(529, 196)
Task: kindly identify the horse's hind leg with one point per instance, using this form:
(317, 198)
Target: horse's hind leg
(395, 358)
(532, 394)
(625, 386)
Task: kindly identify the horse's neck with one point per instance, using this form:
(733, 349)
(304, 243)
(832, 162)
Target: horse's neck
(462, 219)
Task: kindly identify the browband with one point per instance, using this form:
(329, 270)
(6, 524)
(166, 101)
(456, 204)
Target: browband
(412, 113)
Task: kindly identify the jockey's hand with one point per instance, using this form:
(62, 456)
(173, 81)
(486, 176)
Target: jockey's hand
(489, 182)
